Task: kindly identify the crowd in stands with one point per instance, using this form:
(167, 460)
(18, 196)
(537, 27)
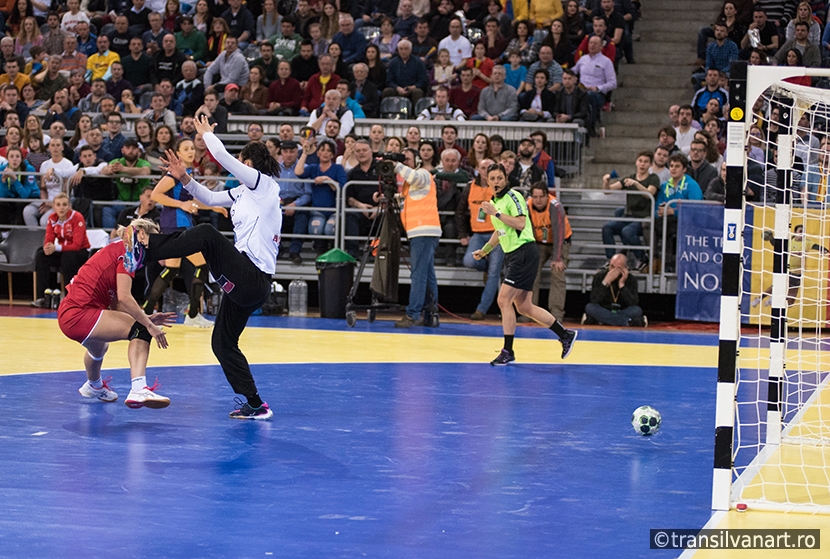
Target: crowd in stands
(688, 162)
(72, 71)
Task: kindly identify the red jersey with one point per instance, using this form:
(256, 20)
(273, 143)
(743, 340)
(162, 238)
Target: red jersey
(69, 234)
(96, 285)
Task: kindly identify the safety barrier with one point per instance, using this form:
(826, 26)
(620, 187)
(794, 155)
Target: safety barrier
(565, 141)
(579, 278)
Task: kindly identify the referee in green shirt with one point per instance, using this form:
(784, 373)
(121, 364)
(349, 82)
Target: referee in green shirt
(514, 232)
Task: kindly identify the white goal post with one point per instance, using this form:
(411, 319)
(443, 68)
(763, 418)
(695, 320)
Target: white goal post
(772, 420)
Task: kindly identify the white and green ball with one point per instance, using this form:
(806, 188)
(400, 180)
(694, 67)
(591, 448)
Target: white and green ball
(646, 420)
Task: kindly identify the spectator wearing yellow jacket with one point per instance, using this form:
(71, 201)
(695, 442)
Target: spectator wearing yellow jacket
(541, 13)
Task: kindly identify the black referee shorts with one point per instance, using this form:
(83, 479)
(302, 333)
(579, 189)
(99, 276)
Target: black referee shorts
(522, 265)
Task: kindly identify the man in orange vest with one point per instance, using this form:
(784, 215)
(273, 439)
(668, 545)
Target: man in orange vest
(552, 231)
(474, 230)
(419, 216)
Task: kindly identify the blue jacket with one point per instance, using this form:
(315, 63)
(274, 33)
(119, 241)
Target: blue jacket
(111, 148)
(352, 47)
(355, 107)
(688, 189)
(411, 72)
(299, 191)
(90, 46)
(21, 186)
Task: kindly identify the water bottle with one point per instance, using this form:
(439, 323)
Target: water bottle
(47, 298)
(56, 298)
(297, 298)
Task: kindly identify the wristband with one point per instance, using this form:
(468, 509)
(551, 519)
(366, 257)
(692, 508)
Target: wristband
(487, 249)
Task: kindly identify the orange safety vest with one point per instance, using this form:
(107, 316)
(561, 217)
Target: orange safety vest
(479, 221)
(420, 217)
(541, 222)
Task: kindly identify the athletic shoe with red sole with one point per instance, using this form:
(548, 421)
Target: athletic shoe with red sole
(146, 398)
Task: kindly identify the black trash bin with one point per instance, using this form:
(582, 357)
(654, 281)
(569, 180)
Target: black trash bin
(336, 276)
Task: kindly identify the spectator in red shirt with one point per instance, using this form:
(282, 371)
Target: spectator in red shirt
(465, 96)
(318, 84)
(284, 93)
(65, 245)
(609, 49)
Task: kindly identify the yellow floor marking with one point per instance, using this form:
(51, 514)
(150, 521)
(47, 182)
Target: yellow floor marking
(42, 347)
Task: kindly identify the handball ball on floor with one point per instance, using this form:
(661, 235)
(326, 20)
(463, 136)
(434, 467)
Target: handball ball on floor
(646, 420)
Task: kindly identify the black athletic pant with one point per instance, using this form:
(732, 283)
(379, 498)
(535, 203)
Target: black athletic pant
(68, 262)
(246, 289)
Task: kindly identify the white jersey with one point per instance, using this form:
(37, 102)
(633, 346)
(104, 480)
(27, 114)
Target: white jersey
(255, 207)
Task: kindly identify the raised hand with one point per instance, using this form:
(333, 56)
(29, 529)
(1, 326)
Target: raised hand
(203, 125)
(173, 165)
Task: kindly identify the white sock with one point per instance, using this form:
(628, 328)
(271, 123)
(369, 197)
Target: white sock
(138, 383)
(97, 384)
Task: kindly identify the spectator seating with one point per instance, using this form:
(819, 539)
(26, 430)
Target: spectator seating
(19, 249)
(396, 108)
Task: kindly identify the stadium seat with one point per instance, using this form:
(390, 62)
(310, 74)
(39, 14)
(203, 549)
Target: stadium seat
(144, 100)
(423, 103)
(370, 32)
(20, 247)
(252, 53)
(474, 34)
(540, 35)
(396, 108)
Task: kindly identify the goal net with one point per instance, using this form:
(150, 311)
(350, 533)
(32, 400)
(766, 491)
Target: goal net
(781, 439)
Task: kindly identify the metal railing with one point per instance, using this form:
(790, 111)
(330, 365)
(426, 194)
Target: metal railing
(340, 237)
(565, 140)
(648, 227)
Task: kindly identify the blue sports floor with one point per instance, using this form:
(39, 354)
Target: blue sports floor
(408, 459)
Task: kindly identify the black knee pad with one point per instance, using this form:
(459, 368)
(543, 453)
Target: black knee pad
(139, 331)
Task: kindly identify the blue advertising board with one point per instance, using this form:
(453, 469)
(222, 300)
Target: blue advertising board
(699, 259)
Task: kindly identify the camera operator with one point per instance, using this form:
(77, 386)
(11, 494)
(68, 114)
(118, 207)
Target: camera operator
(419, 216)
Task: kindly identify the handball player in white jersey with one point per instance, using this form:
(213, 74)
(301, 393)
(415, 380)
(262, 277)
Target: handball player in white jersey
(243, 269)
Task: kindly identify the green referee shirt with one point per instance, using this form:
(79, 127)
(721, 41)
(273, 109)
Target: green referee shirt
(512, 204)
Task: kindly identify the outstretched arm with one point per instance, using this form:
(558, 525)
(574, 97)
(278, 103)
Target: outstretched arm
(176, 169)
(246, 175)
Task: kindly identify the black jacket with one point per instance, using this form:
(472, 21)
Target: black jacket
(603, 296)
(581, 108)
(548, 101)
(370, 98)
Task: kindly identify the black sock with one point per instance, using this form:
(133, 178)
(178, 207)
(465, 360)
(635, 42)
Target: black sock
(161, 284)
(197, 287)
(558, 329)
(255, 401)
(508, 343)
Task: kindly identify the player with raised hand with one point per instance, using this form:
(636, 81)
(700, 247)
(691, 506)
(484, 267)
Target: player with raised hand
(243, 269)
(99, 308)
(514, 232)
(177, 210)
